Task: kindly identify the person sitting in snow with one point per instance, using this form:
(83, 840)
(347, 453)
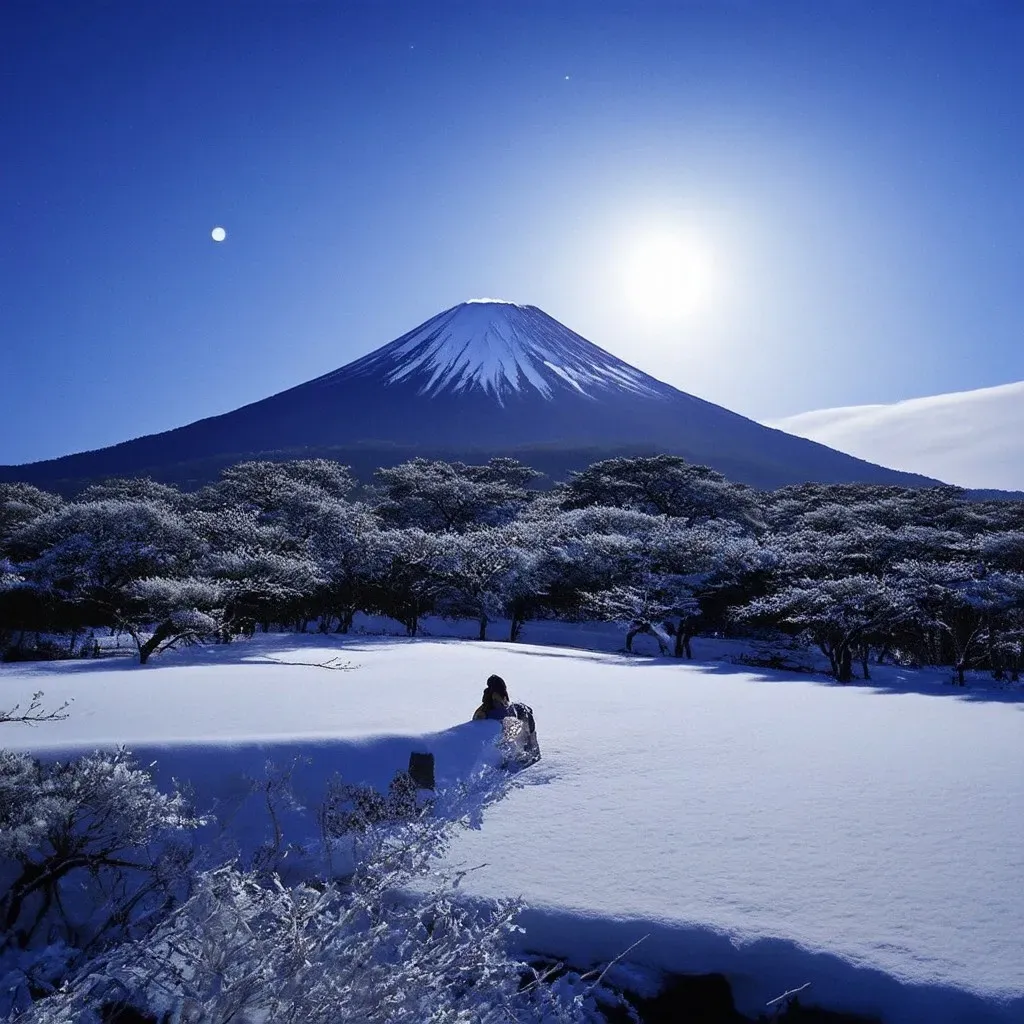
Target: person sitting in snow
(495, 701)
(519, 731)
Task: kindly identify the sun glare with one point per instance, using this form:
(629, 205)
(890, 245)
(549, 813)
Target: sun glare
(667, 275)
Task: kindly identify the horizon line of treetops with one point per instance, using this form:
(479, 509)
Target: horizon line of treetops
(864, 572)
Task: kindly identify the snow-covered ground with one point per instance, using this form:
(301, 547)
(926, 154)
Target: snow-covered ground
(782, 829)
(968, 438)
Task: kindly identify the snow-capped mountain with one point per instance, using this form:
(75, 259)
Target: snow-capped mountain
(970, 438)
(499, 348)
(483, 378)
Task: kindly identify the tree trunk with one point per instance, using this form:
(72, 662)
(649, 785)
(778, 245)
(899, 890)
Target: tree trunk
(995, 663)
(680, 644)
(840, 658)
(845, 664)
(163, 632)
(515, 629)
(483, 628)
(683, 636)
(830, 652)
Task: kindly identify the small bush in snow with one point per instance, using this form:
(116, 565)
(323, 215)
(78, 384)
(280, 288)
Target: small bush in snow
(393, 943)
(86, 858)
(350, 808)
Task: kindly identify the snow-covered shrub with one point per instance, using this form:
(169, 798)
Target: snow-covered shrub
(350, 807)
(393, 943)
(87, 857)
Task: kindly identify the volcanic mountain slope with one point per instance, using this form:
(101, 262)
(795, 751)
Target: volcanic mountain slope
(483, 378)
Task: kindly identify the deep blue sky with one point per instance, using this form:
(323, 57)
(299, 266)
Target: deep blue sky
(853, 169)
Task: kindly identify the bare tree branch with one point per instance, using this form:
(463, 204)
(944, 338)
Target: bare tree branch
(34, 713)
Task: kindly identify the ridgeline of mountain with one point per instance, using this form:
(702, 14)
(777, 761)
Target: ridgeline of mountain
(483, 378)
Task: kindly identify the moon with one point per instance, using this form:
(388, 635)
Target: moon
(667, 274)
(218, 234)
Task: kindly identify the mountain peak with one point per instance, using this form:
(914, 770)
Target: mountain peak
(500, 348)
(481, 379)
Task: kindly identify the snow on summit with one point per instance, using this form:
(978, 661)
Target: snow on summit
(500, 347)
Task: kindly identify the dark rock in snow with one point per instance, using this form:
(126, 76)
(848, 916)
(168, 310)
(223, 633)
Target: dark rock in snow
(691, 999)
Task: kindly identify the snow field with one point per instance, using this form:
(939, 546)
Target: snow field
(778, 829)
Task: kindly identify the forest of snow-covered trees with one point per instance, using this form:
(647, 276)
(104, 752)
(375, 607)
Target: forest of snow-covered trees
(862, 572)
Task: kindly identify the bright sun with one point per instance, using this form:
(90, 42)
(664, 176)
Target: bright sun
(666, 275)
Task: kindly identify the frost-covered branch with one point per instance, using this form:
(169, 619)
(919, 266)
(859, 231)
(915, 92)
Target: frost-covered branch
(34, 714)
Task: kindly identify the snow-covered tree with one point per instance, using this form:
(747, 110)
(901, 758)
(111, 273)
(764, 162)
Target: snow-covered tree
(134, 489)
(342, 544)
(20, 504)
(80, 562)
(162, 613)
(412, 564)
(261, 587)
(640, 608)
(268, 486)
(450, 496)
(480, 574)
(289, 496)
(662, 485)
(331, 478)
(841, 616)
(961, 604)
(705, 570)
(15, 613)
(96, 549)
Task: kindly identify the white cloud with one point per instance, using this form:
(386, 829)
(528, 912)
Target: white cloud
(969, 438)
